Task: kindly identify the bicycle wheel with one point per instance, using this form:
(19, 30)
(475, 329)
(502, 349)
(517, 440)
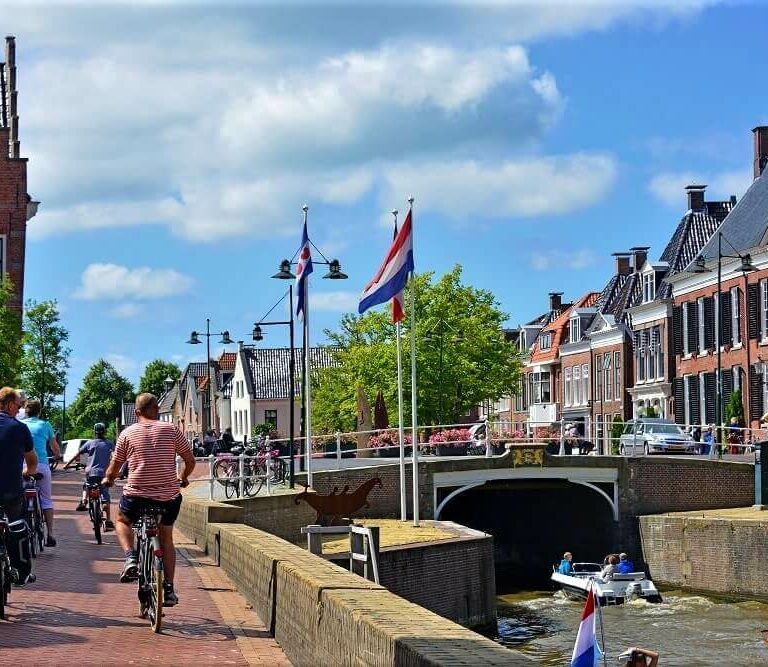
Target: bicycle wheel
(34, 548)
(95, 506)
(42, 527)
(224, 470)
(231, 488)
(157, 597)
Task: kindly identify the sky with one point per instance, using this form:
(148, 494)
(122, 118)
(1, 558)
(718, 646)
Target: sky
(172, 146)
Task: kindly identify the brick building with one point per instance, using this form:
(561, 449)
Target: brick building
(16, 206)
(742, 302)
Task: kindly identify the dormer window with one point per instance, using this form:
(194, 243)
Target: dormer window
(649, 286)
(575, 329)
(546, 341)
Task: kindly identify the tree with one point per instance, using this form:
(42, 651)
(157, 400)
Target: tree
(155, 373)
(617, 428)
(99, 399)
(45, 358)
(10, 335)
(735, 408)
(478, 363)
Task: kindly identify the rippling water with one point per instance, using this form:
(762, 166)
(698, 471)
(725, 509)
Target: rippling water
(684, 629)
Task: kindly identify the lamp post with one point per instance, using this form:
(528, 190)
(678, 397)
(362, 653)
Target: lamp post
(285, 273)
(257, 336)
(63, 402)
(194, 339)
(438, 332)
(700, 267)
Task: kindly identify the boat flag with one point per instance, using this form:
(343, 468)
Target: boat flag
(586, 652)
(392, 275)
(303, 269)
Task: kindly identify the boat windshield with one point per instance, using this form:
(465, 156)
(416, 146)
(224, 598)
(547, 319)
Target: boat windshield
(586, 567)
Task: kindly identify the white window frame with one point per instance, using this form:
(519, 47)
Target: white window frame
(577, 385)
(735, 370)
(686, 351)
(735, 316)
(764, 308)
(617, 376)
(659, 354)
(649, 287)
(567, 386)
(687, 398)
(585, 380)
(546, 341)
(575, 329)
(700, 311)
(764, 383)
(607, 377)
(702, 400)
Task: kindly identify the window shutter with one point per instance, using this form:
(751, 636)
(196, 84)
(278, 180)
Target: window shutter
(710, 391)
(753, 312)
(726, 376)
(679, 393)
(725, 318)
(677, 329)
(755, 393)
(693, 326)
(693, 395)
(709, 323)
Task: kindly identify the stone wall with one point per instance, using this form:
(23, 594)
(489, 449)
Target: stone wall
(709, 555)
(279, 515)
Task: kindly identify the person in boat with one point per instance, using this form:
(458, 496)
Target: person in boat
(565, 565)
(609, 570)
(640, 657)
(625, 565)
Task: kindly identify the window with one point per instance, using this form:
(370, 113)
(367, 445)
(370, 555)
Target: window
(539, 387)
(764, 308)
(598, 378)
(585, 382)
(617, 373)
(735, 316)
(649, 287)
(686, 348)
(687, 391)
(608, 384)
(640, 353)
(546, 341)
(700, 309)
(270, 417)
(702, 399)
(575, 330)
(659, 353)
(736, 370)
(577, 385)
(567, 386)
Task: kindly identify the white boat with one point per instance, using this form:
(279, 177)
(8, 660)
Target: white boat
(620, 588)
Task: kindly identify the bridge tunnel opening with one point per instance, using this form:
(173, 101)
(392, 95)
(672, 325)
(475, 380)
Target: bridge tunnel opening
(533, 523)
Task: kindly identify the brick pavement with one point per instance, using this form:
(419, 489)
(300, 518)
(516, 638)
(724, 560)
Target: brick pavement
(78, 612)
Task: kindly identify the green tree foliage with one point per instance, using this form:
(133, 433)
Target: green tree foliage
(99, 399)
(735, 408)
(45, 357)
(478, 364)
(155, 373)
(617, 428)
(10, 335)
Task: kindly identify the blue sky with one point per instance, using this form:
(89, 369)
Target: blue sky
(172, 147)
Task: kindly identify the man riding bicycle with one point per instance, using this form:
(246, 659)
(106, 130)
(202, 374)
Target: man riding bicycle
(99, 451)
(150, 447)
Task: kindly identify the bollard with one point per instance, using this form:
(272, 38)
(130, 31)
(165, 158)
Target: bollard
(210, 477)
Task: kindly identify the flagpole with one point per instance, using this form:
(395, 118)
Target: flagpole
(308, 367)
(414, 415)
(400, 415)
(602, 629)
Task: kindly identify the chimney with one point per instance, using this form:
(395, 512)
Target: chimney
(760, 134)
(640, 255)
(623, 267)
(555, 301)
(695, 194)
(12, 95)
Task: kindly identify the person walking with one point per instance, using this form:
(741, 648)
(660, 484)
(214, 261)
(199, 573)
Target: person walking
(150, 447)
(43, 437)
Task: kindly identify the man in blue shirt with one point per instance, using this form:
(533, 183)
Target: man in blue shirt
(43, 437)
(625, 565)
(99, 451)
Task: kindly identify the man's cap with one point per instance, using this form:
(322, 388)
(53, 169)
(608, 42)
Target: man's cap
(623, 556)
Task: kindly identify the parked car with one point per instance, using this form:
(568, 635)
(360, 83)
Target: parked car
(655, 436)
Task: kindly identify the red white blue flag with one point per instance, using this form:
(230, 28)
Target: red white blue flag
(586, 652)
(303, 269)
(397, 301)
(390, 279)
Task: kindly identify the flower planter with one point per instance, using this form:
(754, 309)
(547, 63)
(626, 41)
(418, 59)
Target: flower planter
(348, 450)
(447, 450)
(392, 452)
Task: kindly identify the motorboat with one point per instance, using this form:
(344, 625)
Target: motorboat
(617, 589)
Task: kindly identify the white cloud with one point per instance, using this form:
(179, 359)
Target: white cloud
(113, 282)
(337, 302)
(669, 187)
(126, 311)
(562, 259)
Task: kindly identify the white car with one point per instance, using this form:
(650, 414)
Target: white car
(655, 436)
(69, 450)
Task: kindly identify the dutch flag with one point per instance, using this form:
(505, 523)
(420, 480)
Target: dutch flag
(392, 275)
(586, 652)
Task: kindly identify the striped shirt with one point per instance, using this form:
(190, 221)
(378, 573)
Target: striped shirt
(150, 447)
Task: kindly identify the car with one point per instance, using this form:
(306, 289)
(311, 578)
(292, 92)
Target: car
(69, 450)
(655, 436)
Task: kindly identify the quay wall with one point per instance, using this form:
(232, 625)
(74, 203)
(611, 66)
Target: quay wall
(707, 554)
(321, 614)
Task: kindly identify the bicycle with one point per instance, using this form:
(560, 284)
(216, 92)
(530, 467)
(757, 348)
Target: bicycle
(6, 570)
(150, 566)
(227, 470)
(36, 523)
(96, 510)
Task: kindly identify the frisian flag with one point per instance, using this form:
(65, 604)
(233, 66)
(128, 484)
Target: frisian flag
(397, 301)
(390, 279)
(586, 652)
(303, 269)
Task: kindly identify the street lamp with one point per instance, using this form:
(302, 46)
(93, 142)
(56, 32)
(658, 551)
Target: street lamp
(285, 273)
(63, 401)
(436, 335)
(701, 267)
(194, 339)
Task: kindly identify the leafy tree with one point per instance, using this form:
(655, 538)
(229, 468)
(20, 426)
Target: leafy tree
(735, 408)
(10, 335)
(99, 399)
(478, 363)
(45, 358)
(617, 428)
(155, 373)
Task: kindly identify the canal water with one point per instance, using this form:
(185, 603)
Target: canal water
(685, 629)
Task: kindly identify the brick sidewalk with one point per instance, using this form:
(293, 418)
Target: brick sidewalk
(78, 612)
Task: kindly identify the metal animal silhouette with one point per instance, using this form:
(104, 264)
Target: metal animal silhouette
(332, 507)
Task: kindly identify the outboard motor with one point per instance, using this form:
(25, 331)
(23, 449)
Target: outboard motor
(634, 590)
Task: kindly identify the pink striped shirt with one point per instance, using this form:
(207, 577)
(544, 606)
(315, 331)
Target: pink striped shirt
(150, 447)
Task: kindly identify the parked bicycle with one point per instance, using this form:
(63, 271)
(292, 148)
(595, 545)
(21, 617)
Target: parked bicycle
(36, 521)
(96, 510)
(7, 573)
(150, 566)
(257, 466)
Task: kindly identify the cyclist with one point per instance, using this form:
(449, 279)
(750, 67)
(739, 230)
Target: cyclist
(99, 451)
(16, 449)
(43, 437)
(150, 447)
